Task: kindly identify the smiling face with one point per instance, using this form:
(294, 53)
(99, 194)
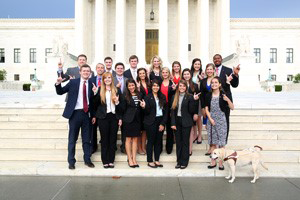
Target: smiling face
(108, 64)
(131, 87)
(176, 68)
(155, 88)
(165, 74)
(217, 60)
(186, 75)
(133, 63)
(81, 61)
(108, 80)
(209, 71)
(197, 65)
(85, 73)
(215, 84)
(142, 74)
(119, 70)
(181, 88)
(156, 62)
(100, 69)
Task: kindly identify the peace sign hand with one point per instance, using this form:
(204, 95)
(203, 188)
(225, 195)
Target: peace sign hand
(236, 70)
(196, 96)
(59, 80)
(142, 103)
(95, 88)
(174, 86)
(228, 79)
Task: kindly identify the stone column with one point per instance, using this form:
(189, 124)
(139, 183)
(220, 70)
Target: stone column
(140, 32)
(203, 31)
(100, 30)
(80, 25)
(163, 31)
(183, 30)
(224, 19)
(120, 31)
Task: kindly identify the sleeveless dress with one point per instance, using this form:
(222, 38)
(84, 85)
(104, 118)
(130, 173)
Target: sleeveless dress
(217, 134)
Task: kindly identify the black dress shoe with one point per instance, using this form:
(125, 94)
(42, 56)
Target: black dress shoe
(136, 166)
(177, 166)
(152, 166)
(183, 167)
(211, 166)
(106, 166)
(207, 154)
(158, 165)
(71, 166)
(221, 168)
(199, 142)
(90, 164)
(111, 165)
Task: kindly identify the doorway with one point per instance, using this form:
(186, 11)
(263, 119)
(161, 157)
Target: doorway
(151, 44)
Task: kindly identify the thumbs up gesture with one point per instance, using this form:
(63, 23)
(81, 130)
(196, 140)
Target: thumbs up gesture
(142, 103)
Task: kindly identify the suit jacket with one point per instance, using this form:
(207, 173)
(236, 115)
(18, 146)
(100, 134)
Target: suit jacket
(222, 103)
(130, 110)
(113, 72)
(153, 77)
(128, 74)
(101, 109)
(203, 91)
(187, 112)
(196, 90)
(150, 110)
(116, 81)
(72, 71)
(234, 82)
(72, 88)
(171, 92)
(143, 91)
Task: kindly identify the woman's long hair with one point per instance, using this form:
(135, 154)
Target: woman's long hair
(103, 88)
(160, 95)
(160, 60)
(128, 95)
(176, 97)
(168, 70)
(191, 83)
(173, 72)
(219, 80)
(138, 79)
(193, 68)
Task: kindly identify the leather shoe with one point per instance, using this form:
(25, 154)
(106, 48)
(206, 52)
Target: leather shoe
(105, 166)
(221, 168)
(136, 166)
(158, 165)
(90, 164)
(72, 167)
(152, 166)
(177, 166)
(211, 166)
(111, 165)
(183, 167)
(207, 154)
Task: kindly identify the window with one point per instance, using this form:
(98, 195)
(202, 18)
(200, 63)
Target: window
(189, 47)
(31, 76)
(32, 55)
(258, 77)
(289, 55)
(257, 54)
(273, 77)
(289, 77)
(273, 55)
(48, 51)
(2, 55)
(17, 55)
(17, 77)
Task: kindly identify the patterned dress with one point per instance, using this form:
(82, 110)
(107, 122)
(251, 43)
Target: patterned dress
(217, 134)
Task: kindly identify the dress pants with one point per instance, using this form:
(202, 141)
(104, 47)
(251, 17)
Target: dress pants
(94, 140)
(79, 120)
(170, 137)
(182, 135)
(108, 130)
(154, 139)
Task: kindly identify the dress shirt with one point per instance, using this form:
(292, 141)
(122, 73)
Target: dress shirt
(111, 108)
(133, 73)
(79, 103)
(159, 111)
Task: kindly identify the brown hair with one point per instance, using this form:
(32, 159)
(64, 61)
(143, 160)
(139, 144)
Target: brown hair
(103, 88)
(85, 66)
(174, 63)
(81, 55)
(133, 57)
(176, 97)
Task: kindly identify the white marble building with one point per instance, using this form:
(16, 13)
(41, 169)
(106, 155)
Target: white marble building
(181, 30)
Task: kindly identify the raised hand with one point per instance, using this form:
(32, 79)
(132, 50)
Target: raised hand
(59, 80)
(174, 86)
(228, 79)
(196, 96)
(95, 88)
(161, 128)
(60, 64)
(236, 70)
(142, 103)
(118, 85)
(72, 77)
(225, 98)
(174, 128)
(201, 76)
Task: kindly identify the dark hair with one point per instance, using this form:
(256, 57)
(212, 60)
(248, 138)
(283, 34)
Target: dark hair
(128, 96)
(160, 95)
(85, 66)
(133, 57)
(221, 89)
(108, 58)
(191, 83)
(138, 79)
(81, 55)
(119, 63)
(193, 69)
(217, 55)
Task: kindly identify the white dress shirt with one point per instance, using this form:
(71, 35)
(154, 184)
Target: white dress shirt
(79, 103)
(110, 107)
(133, 73)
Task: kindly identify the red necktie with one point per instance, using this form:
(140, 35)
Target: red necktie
(99, 82)
(85, 105)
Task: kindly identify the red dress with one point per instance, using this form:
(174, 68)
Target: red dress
(176, 80)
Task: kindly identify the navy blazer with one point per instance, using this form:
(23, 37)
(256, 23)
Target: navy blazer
(72, 88)
(150, 110)
(234, 82)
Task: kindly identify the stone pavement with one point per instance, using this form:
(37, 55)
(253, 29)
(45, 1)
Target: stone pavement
(85, 188)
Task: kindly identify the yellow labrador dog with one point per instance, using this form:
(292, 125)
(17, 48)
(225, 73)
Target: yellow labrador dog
(250, 156)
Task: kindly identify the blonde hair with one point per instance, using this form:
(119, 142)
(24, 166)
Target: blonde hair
(211, 65)
(152, 60)
(176, 97)
(168, 70)
(103, 88)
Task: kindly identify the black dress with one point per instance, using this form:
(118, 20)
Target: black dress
(132, 128)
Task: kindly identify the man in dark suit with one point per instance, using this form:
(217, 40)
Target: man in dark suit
(228, 78)
(79, 109)
(132, 71)
(96, 80)
(120, 82)
(108, 61)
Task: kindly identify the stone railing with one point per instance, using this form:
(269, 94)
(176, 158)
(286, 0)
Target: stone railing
(17, 85)
(269, 86)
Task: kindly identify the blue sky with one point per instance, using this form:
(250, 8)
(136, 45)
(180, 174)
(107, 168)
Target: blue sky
(65, 8)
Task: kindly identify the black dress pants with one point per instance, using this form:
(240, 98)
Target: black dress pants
(182, 135)
(79, 120)
(94, 140)
(108, 130)
(154, 140)
(170, 137)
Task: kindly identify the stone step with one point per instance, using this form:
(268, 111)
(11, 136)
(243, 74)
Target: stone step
(265, 112)
(122, 170)
(237, 135)
(197, 156)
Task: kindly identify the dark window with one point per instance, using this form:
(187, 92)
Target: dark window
(114, 47)
(289, 55)
(257, 54)
(289, 77)
(189, 47)
(2, 55)
(48, 51)
(273, 55)
(17, 77)
(32, 55)
(17, 55)
(273, 77)
(31, 76)
(258, 77)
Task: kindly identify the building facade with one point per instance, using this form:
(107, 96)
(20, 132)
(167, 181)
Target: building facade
(174, 29)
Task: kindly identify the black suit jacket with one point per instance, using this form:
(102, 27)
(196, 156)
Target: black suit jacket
(222, 103)
(128, 74)
(196, 90)
(171, 92)
(150, 110)
(143, 91)
(187, 111)
(130, 110)
(101, 109)
(234, 82)
(72, 88)
(203, 91)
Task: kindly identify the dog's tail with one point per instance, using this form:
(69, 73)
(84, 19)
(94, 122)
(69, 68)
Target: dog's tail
(263, 165)
(256, 147)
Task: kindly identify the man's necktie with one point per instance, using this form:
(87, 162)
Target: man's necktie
(99, 82)
(217, 71)
(85, 105)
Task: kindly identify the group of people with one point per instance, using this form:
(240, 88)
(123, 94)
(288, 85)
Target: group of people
(144, 103)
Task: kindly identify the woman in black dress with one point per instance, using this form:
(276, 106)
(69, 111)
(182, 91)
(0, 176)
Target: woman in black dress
(156, 116)
(132, 121)
(155, 68)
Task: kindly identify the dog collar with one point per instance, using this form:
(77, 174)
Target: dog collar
(232, 156)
